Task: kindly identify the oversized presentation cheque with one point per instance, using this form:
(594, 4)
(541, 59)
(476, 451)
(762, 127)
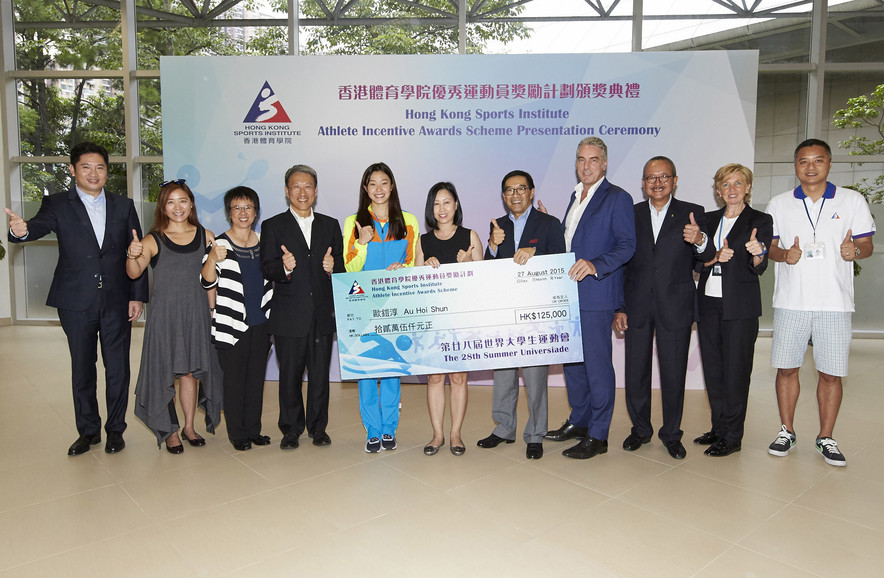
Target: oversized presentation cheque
(459, 317)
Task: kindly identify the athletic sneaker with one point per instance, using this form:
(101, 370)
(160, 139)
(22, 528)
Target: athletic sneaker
(388, 442)
(829, 450)
(373, 445)
(784, 442)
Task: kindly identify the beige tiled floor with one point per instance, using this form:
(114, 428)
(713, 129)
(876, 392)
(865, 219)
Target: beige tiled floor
(337, 510)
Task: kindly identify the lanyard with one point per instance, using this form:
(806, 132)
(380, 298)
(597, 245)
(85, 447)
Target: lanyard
(721, 229)
(812, 224)
(830, 192)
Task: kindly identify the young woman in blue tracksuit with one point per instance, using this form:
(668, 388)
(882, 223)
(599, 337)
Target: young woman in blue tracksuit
(379, 236)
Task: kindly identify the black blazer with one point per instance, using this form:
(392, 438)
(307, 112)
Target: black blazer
(662, 272)
(306, 295)
(740, 288)
(81, 262)
(542, 231)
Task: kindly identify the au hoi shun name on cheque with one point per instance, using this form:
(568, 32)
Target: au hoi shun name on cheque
(459, 317)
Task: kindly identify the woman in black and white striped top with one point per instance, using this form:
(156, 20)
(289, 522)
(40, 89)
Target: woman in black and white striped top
(239, 324)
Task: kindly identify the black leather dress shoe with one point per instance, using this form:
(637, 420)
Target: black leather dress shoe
(493, 441)
(568, 431)
(321, 439)
(587, 448)
(676, 449)
(289, 442)
(260, 440)
(534, 451)
(115, 443)
(242, 445)
(83, 443)
(634, 441)
(707, 439)
(721, 448)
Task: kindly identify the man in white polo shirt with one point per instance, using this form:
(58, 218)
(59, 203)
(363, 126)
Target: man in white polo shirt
(819, 230)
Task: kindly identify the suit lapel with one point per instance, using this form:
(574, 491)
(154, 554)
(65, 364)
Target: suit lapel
(317, 235)
(530, 230)
(297, 233)
(596, 201)
(670, 222)
(713, 221)
(83, 217)
(741, 224)
(644, 233)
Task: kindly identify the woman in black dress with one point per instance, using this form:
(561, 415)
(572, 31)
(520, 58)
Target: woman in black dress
(446, 242)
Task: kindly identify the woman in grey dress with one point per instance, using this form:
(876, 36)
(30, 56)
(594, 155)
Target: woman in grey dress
(177, 336)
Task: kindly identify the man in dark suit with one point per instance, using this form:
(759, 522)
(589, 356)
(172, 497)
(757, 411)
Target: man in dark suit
(519, 235)
(600, 230)
(660, 299)
(90, 288)
(300, 249)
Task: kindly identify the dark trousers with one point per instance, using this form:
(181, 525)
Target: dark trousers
(727, 347)
(244, 366)
(591, 384)
(84, 331)
(313, 353)
(672, 358)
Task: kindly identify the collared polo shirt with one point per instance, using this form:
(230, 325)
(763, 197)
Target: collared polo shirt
(824, 284)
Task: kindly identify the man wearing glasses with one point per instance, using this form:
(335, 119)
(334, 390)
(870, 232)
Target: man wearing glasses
(600, 230)
(660, 299)
(519, 235)
(90, 288)
(300, 249)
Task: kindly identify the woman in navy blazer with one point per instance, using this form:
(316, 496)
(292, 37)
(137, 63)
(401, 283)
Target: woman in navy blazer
(730, 304)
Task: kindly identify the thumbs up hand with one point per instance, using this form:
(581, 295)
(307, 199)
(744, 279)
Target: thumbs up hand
(725, 253)
(848, 247)
(328, 262)
(692, 232)
(219, 251)
(497, 235)
(465, 255)
(541, 208)
(366, 234)
(288, 260)
(136, 247)
(17, 225)
(754, 246)
(793, 255)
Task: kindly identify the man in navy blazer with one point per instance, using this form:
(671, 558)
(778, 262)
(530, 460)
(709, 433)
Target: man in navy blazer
(300, 249)
(660, 303)
(90, 288)
(600, 229)
(534, 233)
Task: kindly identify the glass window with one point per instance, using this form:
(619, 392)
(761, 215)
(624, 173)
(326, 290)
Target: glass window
(40, 260)
(54, 112)
(781, 113)
(855, 38)
(150, 117)
(97, 46)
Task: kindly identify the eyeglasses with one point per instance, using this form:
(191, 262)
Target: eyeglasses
(173, 182)
(510, 191)
(654, 179)
(241, 208)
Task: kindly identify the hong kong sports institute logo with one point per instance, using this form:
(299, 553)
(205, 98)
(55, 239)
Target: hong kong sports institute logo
(267, 107)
